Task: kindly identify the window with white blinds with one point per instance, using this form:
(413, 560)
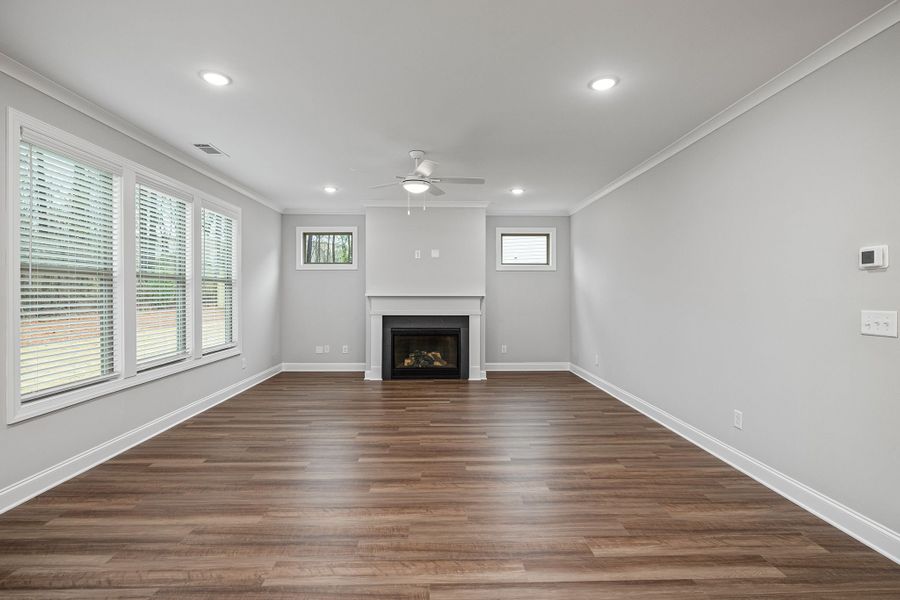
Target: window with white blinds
(162, 265)
(67, 258)
(525, 248)
(124, 274)
(218, 280)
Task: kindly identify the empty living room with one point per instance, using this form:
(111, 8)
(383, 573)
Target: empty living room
(449, 300)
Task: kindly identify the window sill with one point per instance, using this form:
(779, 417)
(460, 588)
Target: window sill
(21, 412)
(526, 267)
(326, 267)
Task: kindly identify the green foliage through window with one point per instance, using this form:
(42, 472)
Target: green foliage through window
(328, 248)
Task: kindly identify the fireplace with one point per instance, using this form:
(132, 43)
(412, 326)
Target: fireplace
(425, 347)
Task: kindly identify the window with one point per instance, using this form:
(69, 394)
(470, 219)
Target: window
(526, 249)
(326, 247)
(163, 225)
(67, 272)
(218, 280)
(117, 275)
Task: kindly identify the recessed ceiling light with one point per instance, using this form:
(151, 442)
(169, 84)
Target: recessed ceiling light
(603, 84)
(329, 189)
(517, 191)
(216, 79)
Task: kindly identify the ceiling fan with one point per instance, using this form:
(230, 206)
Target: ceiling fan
(420, 179)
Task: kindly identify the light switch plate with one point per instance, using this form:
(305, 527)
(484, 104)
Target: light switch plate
(881, 323)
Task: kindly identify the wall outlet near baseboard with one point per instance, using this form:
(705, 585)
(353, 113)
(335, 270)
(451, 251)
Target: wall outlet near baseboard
(502, 348)
(327, 348)
(345, 349)
(597, 360)
(243, 362)
(319, 350)
(738, 419)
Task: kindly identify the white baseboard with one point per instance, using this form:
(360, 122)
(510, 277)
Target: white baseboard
(28, 488)
(527, 366)
(323, 367)
(874, 535)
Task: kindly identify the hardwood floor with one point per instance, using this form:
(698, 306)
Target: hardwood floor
(526, 486)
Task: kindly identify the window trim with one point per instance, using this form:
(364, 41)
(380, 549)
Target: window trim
(129, 173)
(172, 188)
(302, 265)
(234, 213)
(548, 231)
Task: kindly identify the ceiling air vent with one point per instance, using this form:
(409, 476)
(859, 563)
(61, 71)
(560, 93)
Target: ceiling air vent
(209, 149)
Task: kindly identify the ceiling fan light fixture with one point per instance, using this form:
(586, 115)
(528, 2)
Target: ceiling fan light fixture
(603, 83)
(216, 79)
(416, 186)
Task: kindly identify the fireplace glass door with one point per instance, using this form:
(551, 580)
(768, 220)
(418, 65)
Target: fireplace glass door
(422, 353)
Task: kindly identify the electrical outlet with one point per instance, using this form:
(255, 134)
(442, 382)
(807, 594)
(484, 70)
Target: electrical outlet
(327, 348)
(417, 254)
(738, 419)
(502, 348)
(243, 363)
(596, 360)
(435, 253)
(318, 349)
(345, 349)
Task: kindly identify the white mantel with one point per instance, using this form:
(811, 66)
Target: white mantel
(383, 304)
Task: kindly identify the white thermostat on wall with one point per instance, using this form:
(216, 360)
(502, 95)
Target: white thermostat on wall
(873, 257)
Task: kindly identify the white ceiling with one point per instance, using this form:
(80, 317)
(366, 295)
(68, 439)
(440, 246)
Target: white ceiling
(337, 91)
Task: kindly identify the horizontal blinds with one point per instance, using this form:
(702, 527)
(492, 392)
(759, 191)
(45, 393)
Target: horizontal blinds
(67, 236)
(217, 279)
(525, 249)
(162, 261)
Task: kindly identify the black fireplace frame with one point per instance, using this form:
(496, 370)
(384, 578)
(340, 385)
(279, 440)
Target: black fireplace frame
(425, 325)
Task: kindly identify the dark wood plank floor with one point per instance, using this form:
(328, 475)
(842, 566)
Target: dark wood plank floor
(527, 486)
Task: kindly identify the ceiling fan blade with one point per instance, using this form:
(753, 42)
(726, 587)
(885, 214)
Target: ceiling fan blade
(383, 185)
(435, 190)
(478, 180)
(426, 167)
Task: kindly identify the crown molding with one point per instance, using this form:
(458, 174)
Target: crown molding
(527, 212)
(50, 88)
(417, 204)
(309, 210)
(863, 31)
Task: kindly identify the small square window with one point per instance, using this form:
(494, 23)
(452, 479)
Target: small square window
(526, 249)
(326, 248)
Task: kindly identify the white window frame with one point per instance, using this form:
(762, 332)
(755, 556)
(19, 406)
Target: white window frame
(171, 187)
(549, 231)
(234, 213)
(129, 174)
(302, 265)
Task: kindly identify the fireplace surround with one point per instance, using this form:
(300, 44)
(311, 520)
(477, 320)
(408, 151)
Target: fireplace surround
(425, 347)
(382, 306)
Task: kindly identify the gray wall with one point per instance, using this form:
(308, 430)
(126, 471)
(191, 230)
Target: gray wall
(528, 310)
(322, 307)
(394, 236)
(31, 446)
(725, 278)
